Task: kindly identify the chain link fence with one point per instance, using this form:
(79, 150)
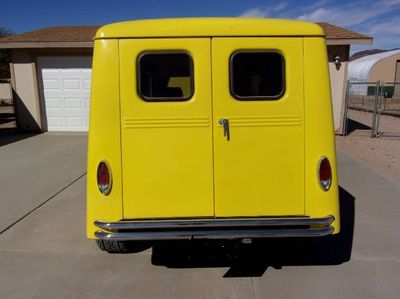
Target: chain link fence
(7, 111)
(372, 109)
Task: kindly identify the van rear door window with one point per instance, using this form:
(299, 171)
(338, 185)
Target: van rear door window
(257, 75)
(165, 76)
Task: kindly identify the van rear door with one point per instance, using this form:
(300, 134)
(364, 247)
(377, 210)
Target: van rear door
(258, 118)
(166, 127)
(212, 127)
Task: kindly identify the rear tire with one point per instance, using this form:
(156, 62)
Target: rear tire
(113, 246)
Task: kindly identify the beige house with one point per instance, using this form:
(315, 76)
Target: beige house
(51, 73)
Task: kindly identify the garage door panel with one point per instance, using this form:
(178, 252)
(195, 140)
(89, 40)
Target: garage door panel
(74, 103)
(54, 103)
(48, 73)
(87, 103)
(65, 114)
(74, 122)
(72, 84)
(66, 85)
(56, 122)
(52, 84)
(86, 84)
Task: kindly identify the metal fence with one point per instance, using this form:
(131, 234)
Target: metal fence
(7, 110)
(372, 109)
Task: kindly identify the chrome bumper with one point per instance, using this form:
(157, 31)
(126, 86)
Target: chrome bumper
(214, 229)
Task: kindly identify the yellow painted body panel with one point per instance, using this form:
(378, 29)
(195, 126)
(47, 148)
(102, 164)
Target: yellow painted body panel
(167, 147)
(260, 170)
(104, 137)
(171, 159)
(319, 137)
(209, 27)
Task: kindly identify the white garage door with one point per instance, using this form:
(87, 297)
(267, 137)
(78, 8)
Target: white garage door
(66, 91)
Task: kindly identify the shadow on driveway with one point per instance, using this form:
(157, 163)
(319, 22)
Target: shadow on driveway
(353, 125)
(8, 136)
(254, 259)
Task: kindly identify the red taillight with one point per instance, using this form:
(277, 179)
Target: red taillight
(104, 178)
(325, 173)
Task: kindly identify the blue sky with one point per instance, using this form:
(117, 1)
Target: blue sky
(380, 18)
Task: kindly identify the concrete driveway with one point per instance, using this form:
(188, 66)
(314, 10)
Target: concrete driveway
(35, 169)
(46, 255)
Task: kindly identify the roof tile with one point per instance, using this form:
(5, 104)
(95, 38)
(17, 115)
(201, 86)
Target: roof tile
(87, 33)
(55, 34)
(336, 32)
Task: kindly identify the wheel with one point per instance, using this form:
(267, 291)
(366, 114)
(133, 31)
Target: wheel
(112, 246)
(121, 246)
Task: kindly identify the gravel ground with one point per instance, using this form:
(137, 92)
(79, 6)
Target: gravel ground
(382, 153)
(360, 121)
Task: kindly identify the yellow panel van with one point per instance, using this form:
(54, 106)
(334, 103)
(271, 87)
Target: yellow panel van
(210, 128)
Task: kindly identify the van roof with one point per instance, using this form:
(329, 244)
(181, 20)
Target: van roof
(208, 27)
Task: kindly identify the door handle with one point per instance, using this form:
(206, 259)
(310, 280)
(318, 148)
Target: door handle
(225, 123)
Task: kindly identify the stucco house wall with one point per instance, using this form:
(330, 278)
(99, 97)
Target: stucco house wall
(338, 76)
(26, 93)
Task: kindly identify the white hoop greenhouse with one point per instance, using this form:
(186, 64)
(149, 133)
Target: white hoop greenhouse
(359, 71)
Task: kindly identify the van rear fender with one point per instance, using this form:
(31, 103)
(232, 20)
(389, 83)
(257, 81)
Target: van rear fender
(319, 131)
(104, 134)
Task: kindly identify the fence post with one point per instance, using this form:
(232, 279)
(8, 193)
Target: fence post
(381, 98)
(346, 104)
(374, 129)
